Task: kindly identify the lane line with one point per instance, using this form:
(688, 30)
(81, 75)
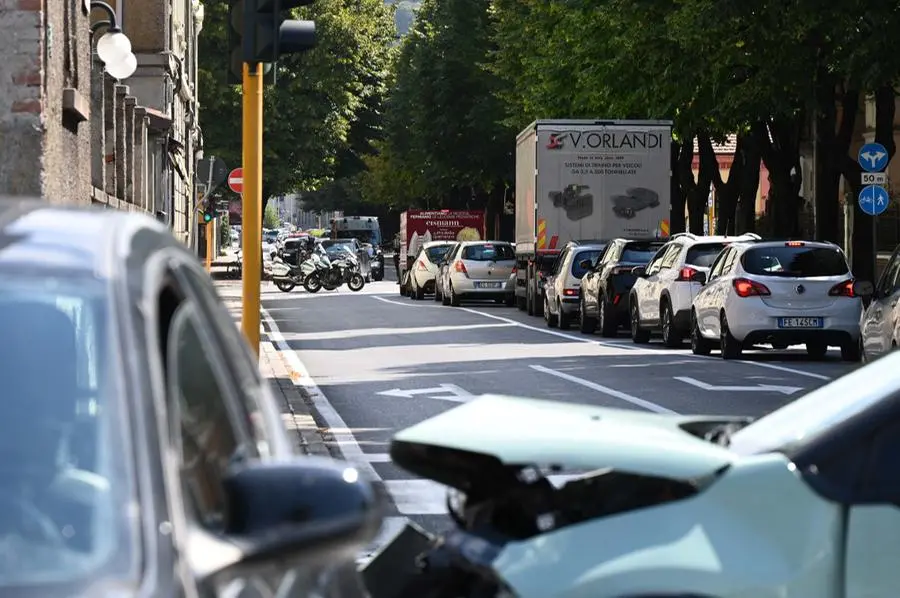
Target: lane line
(782, 368)
(346, 334)
(432, 305)
(648, 405)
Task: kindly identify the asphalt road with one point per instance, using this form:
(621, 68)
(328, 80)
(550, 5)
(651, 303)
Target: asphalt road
(378, 362)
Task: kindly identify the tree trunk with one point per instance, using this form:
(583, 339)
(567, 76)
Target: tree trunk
(698, 194)
(779, 143)
(677, 223)
(863, 252)
(748, 185)
(831, 143)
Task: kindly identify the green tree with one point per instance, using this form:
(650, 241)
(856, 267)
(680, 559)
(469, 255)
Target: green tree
(271, 218)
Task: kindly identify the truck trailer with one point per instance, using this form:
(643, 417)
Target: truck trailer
(586, 180)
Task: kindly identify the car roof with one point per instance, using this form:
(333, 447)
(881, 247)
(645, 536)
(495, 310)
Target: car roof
(430, 244)
(784, 242)
(36, 235)
(487, 242)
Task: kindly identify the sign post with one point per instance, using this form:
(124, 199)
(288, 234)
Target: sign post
(873, 198)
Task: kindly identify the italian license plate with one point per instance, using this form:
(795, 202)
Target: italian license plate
(487, 285)
(799, 322)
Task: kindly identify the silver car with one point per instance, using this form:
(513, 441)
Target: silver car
(480, 270)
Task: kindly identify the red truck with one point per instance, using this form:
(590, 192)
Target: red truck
(421, 226)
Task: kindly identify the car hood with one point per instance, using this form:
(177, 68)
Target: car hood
(494, 432)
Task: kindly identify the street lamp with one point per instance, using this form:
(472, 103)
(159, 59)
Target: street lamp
(114, 47)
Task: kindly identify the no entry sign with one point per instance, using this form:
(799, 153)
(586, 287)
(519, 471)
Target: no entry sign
(236, 180)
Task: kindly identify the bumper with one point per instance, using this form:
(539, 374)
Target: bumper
(488, 289)
(570, 305)
(754, 322)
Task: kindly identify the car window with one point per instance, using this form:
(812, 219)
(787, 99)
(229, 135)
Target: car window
(728, 264)
(795, 261)
(592, 254)
(703, 254)
(719, 263)
(488, 252)
(209, 443)
(437, 253)
(887, 284)
(671, 254)
(639, 252)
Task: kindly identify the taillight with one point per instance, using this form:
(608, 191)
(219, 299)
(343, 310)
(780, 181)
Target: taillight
(842, 289)
(421, 265)
(570, 292)
(460, 267)
(514, 270)
(749, 288)
(685, 273)
(794, 244)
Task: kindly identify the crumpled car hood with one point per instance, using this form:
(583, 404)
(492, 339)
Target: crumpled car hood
(520, 431)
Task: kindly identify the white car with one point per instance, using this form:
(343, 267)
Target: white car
(562, 291)
(880, 323)
(425, 268)
(664, 291)
(780, 293)
(481, 270)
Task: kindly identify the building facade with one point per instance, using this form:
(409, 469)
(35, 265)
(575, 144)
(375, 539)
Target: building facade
(71, 134)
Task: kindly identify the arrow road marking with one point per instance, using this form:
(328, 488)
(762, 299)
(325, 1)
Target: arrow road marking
(786, 390)
(457, 394)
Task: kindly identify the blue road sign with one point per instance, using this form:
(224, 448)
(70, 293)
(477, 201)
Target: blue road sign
(873, 200)
(873, 157)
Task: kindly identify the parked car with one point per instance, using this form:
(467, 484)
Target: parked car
(481, 270)
(880, 323)
(443, 274)
(664, 291)
(777, 292)
(605, 290)
(425, 269)
(562, 289)
(141, 452)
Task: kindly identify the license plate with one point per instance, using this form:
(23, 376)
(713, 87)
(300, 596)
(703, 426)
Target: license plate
(800, 322)
(487, 285)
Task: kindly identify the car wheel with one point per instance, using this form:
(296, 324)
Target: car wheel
(699, 345)
(549, 317)
(563, 319)
(454, 298)
(853, 351)
(609, 328)
(638, 334)
(510, 301)
(728, 345)
(588, 324)
(437, 292)
(670, 336)
(420, 293)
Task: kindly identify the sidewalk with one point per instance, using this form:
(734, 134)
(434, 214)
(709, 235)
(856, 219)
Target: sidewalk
(294, 410)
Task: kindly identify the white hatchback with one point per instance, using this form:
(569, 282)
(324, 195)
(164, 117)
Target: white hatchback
(426, 268)
(780, 293)
(481, 270)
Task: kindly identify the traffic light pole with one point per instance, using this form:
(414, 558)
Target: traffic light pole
(251, 227)
(210, 246)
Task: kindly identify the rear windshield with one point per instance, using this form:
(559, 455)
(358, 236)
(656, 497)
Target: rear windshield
(488, 253)
(592, 255)
(435, 254)
(704, 255)
(795, 262)
(639, 252)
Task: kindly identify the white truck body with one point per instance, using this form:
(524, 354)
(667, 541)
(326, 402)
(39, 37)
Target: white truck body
(586, 180)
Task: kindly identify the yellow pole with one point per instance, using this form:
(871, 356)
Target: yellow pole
(251, 226)
(210, 246)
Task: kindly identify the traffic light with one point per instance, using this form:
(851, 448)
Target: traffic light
(209, 210)
(236, 34)
(267, 35)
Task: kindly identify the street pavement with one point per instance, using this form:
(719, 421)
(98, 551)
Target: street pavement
(374, 362)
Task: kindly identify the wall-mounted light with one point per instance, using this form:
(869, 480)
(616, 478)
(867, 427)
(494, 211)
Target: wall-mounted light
(113, 47)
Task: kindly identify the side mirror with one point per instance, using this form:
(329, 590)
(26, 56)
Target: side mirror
(863, 288)
(304, 509)
(639, 271)
(586, 264)
(699, 277)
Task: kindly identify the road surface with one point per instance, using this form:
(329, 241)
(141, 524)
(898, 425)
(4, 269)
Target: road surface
(379, 363)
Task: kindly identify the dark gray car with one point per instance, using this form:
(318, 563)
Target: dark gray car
(135, 421)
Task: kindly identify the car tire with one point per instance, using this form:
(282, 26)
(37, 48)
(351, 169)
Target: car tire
(548, 316)
(816, 351)
(454, 298)
(699, 345)
(609, 328)
(563, 320)
(510, 301)
(729, 346)
(437, 294)
(670, 336)
(639, 335)
(420, 293)
(853, 352)
(587, 323)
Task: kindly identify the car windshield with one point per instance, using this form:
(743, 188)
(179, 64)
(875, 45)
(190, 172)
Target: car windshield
(703, 254)
(436, 253)
(63, 440)
(363, 236)
(816, 412)
(639, 253)
(577, 270)
(488, 252)
(795, 261)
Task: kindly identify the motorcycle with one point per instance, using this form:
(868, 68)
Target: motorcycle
(285, 276)
(329, 273)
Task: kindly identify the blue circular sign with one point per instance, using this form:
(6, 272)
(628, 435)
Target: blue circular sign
(873, 157)
(873, 200)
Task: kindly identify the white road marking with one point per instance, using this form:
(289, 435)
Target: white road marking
(786, 390)
(648, 405)
(342, 334)
(782, 368)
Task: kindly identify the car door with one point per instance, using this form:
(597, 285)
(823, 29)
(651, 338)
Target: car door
(551, 290)
(647, 302)
(879, 320)
(719, 291)
(707, 314)
(590, 282)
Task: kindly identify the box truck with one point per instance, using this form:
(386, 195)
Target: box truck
(586, 180)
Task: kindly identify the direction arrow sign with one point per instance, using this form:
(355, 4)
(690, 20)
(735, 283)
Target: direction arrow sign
(236, 180)
(873, 200)
(786, 390)
(445, 392)
(873, 157)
